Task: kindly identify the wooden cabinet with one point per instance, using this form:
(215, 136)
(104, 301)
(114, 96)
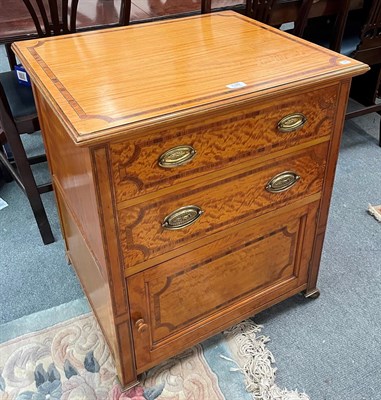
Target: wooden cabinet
(193, 162)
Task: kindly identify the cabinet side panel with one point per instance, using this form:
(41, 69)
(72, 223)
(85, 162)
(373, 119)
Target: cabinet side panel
(93, 283)
(71, 168)
(86, 217)
(106, 201)
(333, 153)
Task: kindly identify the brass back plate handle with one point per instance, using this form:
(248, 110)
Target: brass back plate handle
(292, 122)
(281, 182)
(177, 156)
(182, 217)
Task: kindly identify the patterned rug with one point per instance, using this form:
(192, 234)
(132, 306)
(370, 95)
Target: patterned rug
(375, 211)
(69, 360)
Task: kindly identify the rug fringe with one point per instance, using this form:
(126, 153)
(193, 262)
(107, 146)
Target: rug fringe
(375, 211)
(257, 369)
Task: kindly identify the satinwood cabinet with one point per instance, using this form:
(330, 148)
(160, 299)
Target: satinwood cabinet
(193, 162)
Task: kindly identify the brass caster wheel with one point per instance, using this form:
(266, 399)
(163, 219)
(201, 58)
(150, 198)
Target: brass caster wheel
(67, 257)
(313, 294)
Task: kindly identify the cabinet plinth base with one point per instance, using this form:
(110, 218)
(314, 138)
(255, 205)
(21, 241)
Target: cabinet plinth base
(312, 294)
(130, 385)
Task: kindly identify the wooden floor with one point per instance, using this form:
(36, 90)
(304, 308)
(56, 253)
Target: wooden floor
(154, 8)
(108, 10)
(16, 23)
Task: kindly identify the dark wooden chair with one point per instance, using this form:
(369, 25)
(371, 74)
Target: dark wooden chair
(19, 167)
(365, 88)
(49, 19)
(125, 12)
(18, 113)
(328, 31)
(53, 17)
(206, 6)
(260, 9)
(355, 34)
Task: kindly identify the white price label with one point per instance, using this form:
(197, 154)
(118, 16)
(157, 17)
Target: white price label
(236, 85)
(22, 76)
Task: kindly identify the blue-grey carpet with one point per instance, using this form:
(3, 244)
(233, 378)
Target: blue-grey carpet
(331, 347)
(33, 276)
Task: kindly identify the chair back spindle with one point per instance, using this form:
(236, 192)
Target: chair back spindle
(260, 9)
(341, 22)
(341, 15)
(206, 6)
(21, 172)
(301, 21)
(372, 28)
(53, 20)
(125, 12)
(368, 49)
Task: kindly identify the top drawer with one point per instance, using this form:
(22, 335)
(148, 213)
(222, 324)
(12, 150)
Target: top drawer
(220, 142)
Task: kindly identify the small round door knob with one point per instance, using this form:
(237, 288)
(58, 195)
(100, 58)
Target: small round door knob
(140, 325)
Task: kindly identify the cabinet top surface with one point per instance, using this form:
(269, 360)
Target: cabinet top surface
(102, 82)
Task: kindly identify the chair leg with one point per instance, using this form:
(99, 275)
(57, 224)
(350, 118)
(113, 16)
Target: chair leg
(11, 56)
(29, 186)
(4, 170)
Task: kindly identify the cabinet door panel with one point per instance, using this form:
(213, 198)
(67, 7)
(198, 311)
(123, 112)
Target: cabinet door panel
(187, 296)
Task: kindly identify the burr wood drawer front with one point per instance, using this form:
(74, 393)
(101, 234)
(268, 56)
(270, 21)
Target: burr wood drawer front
(178, 154)
(154, 227)
(179, 301)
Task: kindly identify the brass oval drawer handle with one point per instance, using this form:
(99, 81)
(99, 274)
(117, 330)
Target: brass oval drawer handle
(141, 326)
(177, 156)
(182, 217)
(282, 182)
(292, 122)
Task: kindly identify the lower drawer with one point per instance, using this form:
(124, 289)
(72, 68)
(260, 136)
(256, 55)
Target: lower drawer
(181, 301)
(222, 203)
